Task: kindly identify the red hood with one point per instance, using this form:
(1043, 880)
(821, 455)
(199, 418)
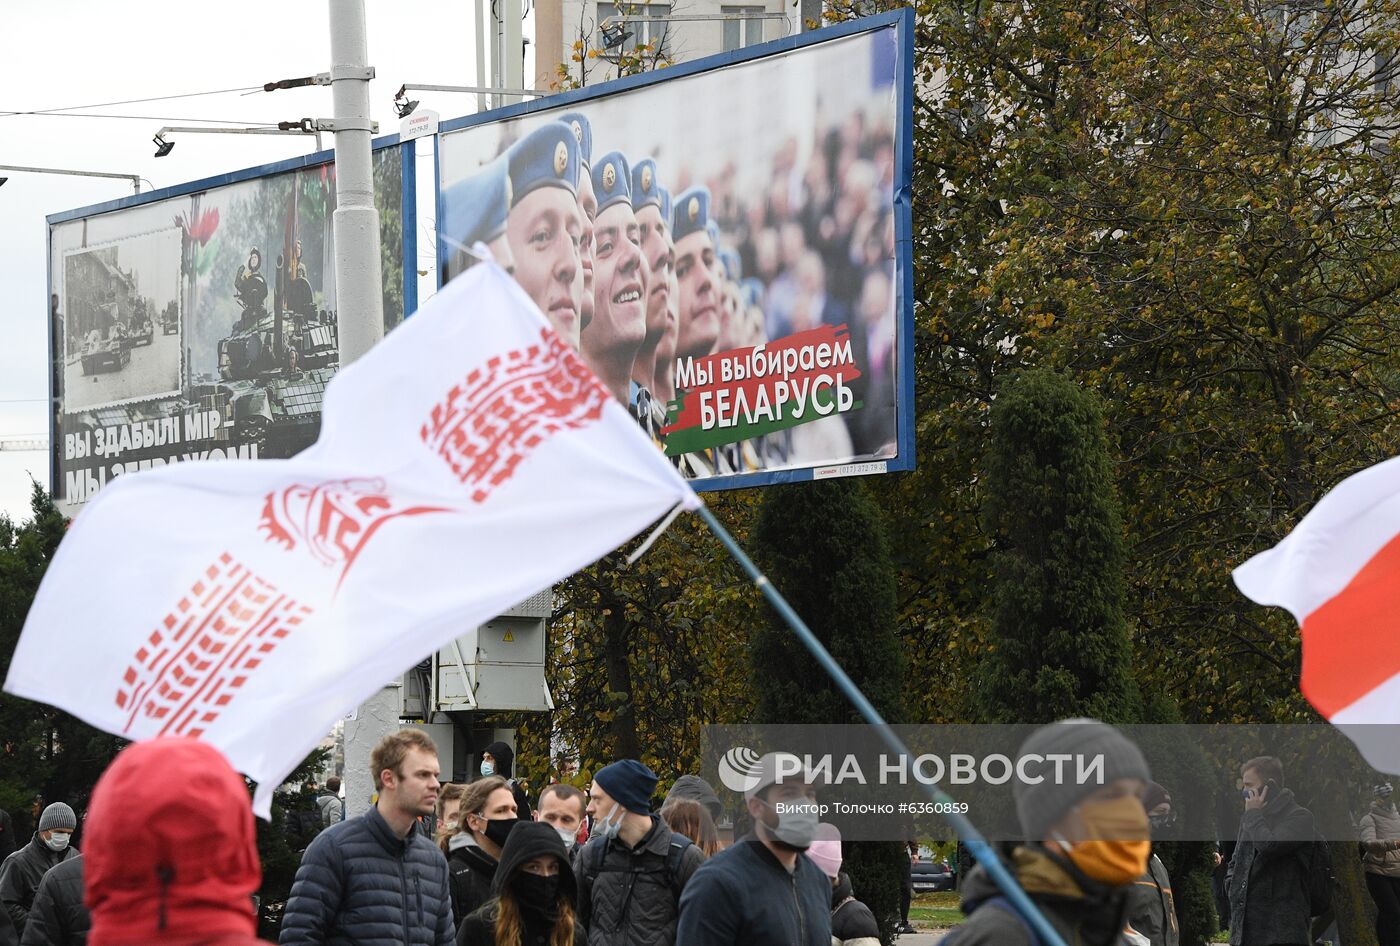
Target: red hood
(169, 847)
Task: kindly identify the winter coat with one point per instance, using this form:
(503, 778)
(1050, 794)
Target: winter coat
(505, 767)
(1379, 828)
(1083, 911)
(8, 936)
(744, 896)
(1151, 907)
(332, 808)
(852, 923)
(1268, 876)
(526, 842)
(360, 883)
(20, 876)
(634, 900)
(7, 835)
(58, 917)
(472, 871)
(170, 855)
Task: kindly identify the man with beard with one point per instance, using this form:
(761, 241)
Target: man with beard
(545, 224)
(656, 251)
(730, 901)
(475, 210)
(588, 203)
(620, 275)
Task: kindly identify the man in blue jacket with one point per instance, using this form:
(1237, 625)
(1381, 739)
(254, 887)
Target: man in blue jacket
(374, 880)
(762, 890)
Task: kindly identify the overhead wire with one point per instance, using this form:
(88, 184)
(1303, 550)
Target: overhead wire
(155, 118)
(154, 98)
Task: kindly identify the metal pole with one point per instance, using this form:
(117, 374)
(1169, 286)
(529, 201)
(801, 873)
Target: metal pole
(480, 32)
(977, 844)
(358, 281)
(134, 179)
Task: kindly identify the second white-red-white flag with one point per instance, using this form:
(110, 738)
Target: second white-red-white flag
(1338, 573)
(467, 462)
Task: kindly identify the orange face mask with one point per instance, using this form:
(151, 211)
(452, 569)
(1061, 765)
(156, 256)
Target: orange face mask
(1118, 845)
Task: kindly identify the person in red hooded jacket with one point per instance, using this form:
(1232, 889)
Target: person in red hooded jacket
(170, 850)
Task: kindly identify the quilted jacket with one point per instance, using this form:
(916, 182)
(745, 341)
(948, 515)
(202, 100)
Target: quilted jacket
(632, 900)
(359, 883)
(58, 917)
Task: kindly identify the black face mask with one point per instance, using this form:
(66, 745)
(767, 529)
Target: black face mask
(498, 829)
(534, 893)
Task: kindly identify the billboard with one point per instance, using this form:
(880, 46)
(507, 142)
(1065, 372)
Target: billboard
(199, 322)
(725, 242)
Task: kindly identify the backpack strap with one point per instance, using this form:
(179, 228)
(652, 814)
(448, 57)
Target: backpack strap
(674, 856)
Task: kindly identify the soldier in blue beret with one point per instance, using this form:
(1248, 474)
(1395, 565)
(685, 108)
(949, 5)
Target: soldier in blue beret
(620, 278)
(544, 225)
(698, 323)
(656, 250)
(474, 210)
(664, 370)
(588, 201)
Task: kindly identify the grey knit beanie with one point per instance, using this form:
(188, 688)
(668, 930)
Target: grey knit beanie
(58, 815)
(1040, 806)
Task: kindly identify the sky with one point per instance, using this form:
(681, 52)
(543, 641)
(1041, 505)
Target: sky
(85, 52)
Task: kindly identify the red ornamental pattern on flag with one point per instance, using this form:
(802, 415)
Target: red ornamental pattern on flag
(493, 420)
(336, 569)
(334, 520)
(195, 661)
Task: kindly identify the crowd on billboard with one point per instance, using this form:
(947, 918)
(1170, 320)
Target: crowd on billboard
(169, 857)
(662, 277)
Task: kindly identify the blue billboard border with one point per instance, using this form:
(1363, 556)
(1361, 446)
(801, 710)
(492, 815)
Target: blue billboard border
(903, 22)
(408, 213)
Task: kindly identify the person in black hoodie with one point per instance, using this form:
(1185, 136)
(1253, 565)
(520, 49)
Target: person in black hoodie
(535, 895)
(485, 820)
(499, 759)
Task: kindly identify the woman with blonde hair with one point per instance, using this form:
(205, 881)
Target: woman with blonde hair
(535, 895)
(692, 819)
(484, 821)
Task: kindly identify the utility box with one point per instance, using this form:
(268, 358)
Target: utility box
(498, 666)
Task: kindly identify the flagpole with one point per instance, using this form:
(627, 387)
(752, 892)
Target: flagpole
(970, 836)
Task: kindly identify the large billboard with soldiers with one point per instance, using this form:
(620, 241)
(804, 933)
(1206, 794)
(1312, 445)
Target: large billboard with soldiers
(726, 243)
(200, 322)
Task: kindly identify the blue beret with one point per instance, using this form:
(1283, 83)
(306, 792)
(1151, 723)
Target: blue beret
(692, 213)
(712, 228)
(612, 181)
(475, 209)
(751, 291)
(646, 189)
(665, 197)
(583, 134)
(733, 266)
(547, 156)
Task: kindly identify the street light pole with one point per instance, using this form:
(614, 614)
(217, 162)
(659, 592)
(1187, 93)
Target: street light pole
(358, 279)
(134, 179)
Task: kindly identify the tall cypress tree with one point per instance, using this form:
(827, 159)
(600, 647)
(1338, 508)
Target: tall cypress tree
(1060, 640)
(823, 545)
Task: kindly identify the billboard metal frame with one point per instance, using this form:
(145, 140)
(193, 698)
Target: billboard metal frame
(408, 201)
(903, 22)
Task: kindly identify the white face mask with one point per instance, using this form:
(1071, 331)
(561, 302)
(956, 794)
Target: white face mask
(608, 827)
(57, 841)
(568, 837)
(797, 828)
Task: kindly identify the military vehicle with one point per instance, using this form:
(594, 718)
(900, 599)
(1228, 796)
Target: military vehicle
(170, 319)
(274, 368)
(106, 354)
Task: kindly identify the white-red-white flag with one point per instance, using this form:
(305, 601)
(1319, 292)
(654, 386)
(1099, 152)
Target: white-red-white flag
(468, 461)
(1338, 573)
